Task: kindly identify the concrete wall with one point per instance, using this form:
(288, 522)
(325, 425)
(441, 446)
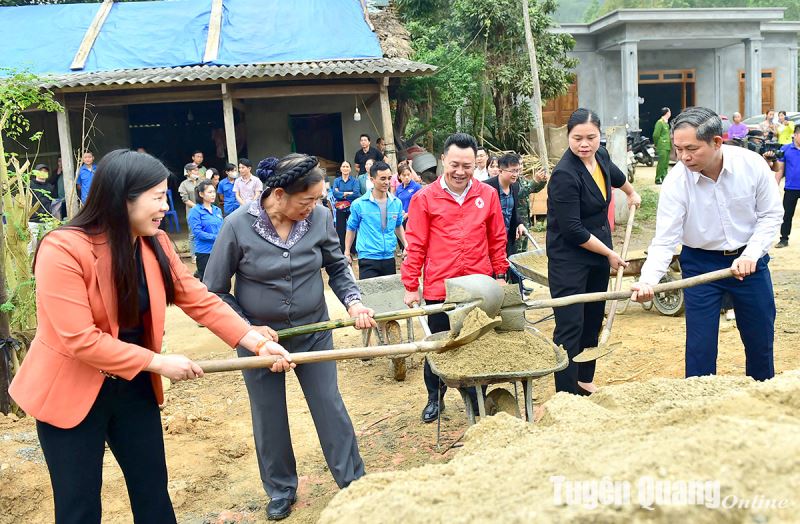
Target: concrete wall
(600, 84)
(268, 122)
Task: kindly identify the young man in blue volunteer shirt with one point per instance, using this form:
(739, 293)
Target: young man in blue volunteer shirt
(789, 167)
(225, 188)
(85, 175)
(378, 218)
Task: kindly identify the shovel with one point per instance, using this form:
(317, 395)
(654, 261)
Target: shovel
(602, 349)
(423, 346)
(462, 295)
(539, 250)
(513, 310)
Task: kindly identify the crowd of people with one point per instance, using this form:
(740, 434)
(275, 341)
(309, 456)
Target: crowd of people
(260, 240)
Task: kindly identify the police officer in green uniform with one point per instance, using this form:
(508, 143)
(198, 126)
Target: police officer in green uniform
(663, 144)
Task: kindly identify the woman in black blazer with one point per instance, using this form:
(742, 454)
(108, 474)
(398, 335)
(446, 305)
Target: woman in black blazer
(579, 251)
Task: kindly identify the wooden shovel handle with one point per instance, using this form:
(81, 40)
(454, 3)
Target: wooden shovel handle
(612, 313)
(400, 314)
(254, 362)
(705, 278)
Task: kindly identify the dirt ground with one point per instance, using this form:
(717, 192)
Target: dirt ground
(208, 434)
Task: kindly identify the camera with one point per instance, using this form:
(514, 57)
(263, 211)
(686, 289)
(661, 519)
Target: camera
(771, 150)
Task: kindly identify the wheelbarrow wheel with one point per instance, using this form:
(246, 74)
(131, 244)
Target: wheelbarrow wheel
(498, 400)
(669, 303)
(395, 336)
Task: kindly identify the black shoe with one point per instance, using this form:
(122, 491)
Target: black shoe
(782, 243)
(658, 182)
(431, 411)
(279, 509)
(584, 392)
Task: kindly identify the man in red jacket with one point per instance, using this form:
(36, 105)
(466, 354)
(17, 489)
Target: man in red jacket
(455, 228)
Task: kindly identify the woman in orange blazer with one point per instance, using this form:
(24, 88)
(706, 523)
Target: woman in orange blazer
(91, 375)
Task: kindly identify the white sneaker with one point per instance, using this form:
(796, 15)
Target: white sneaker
(730, 315)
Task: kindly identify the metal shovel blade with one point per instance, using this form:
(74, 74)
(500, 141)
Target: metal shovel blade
(590, 354)
(472, 291)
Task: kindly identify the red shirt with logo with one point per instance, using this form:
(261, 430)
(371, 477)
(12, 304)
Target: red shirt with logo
(447, 239)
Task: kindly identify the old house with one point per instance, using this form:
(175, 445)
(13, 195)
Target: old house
(232, 78)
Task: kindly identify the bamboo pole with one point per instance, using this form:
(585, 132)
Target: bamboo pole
(380, 317)
(5, 327)
(536, 99)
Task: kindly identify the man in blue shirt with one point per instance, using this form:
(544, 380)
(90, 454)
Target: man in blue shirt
(507, 186)
(789, 167)
(225, 188)
(378, 218)
(85, 175)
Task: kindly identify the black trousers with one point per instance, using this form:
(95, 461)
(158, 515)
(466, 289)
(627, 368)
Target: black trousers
(438, 323)
(341, 228)
(577, 326)
(202, 262)
(790, 197)
(370, 268)
(126, 416)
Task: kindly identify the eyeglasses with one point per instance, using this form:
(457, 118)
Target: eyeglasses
(512, 171)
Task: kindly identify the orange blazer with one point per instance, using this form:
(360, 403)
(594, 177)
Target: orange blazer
(76, 338)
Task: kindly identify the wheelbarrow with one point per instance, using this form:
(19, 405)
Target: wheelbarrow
(500, 399)
(385, 294)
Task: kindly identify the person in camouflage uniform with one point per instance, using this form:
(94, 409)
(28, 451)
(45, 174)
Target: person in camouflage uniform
(526, 189)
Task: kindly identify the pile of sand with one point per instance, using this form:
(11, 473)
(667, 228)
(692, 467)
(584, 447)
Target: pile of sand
(496, 354)
(711, 449)
(532, 262)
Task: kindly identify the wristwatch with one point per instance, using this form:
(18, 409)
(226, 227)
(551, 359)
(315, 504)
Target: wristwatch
(499, 276)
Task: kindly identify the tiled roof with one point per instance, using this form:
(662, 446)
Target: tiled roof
(352, 68)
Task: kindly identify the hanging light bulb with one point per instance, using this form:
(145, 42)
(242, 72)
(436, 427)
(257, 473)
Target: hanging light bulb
(357, 116)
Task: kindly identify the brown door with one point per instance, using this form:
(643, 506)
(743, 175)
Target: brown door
(558, 110)
(767, 91)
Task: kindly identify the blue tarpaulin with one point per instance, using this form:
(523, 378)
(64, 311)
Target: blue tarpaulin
(171, 33)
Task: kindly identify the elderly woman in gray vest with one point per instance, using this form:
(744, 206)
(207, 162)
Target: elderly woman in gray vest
(276, 247)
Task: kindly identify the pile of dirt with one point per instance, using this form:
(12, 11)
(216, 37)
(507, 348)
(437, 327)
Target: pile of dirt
(496, 353)
(706, 449)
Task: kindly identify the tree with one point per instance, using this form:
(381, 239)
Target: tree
(18, 92)
(484, 73)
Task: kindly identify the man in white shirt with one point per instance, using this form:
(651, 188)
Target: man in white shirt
(722, 204)
(481, 171)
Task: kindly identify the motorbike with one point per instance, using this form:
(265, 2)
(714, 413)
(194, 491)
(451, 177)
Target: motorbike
(643, 151)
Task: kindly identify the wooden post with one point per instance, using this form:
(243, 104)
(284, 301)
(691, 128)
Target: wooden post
(388, 130)
(230, 128)
(67, 164)
(214, 29)
(91, 35)
(536, 99)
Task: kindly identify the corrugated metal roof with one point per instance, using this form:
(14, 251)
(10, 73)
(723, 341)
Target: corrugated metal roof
(205, 73)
